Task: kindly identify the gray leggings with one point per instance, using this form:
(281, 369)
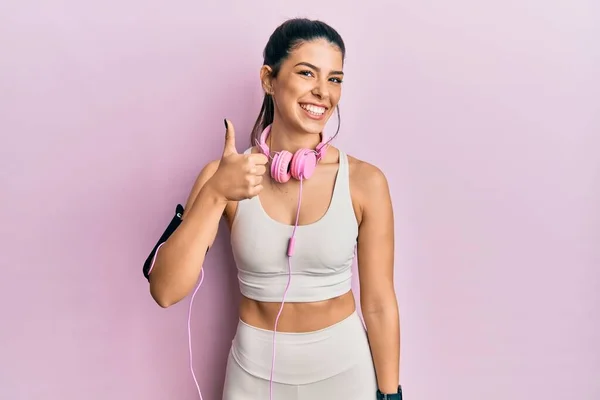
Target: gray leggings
(332, 363)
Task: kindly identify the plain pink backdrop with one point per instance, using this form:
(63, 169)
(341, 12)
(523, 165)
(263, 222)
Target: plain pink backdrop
(483, 115)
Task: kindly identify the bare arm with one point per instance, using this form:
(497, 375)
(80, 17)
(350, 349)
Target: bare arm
(376, 274)
(180, 259)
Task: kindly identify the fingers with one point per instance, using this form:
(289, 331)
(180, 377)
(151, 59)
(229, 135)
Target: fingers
(255, 181)
(254, 191)
(254, 186)
(229, 139)
(258, 170)
(258, 159)
(256, 164)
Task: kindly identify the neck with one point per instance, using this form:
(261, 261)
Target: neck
(283, 137)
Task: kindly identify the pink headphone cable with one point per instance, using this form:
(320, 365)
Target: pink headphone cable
(290, 252)
(190, 331)
(189, 316)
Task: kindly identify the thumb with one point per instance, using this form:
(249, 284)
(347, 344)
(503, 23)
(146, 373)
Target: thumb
(229, 139)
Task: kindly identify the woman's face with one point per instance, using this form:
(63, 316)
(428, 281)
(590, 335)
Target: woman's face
(308, 86)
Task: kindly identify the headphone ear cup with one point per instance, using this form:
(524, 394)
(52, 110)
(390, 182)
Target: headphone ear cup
(280, 166)
(304, 163)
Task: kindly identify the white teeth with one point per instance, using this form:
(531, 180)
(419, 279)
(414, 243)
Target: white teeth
(313, 109)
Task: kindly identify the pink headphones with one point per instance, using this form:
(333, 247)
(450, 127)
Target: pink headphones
(285, 165)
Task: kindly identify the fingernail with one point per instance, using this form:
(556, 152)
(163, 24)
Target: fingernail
(225, 120)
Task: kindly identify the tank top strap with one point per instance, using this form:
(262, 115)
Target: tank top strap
(343, 160)
(341, 201)
(343, 178)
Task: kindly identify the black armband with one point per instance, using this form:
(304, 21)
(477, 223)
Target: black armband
(175, 222)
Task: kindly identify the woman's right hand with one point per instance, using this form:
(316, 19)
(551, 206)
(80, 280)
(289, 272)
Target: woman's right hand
(239, 176)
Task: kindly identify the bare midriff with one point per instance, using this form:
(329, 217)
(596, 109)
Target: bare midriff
(297, 317)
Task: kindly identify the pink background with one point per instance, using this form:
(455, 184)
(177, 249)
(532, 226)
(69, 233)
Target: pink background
(484, 116)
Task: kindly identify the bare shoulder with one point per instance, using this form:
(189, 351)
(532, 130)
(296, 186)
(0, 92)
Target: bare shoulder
(368, 185)
(367, 178)
(205, 174)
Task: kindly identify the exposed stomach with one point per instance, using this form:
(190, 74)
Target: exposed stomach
(297, 317)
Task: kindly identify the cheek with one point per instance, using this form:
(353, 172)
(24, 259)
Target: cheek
(289, 94)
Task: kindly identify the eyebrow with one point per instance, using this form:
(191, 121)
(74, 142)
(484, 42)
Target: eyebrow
(319, 69)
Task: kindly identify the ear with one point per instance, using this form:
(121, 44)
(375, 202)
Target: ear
(266, 79)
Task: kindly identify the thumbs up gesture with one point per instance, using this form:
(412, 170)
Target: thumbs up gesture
(239, 176)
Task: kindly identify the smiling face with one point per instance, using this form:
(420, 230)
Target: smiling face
(307, 87)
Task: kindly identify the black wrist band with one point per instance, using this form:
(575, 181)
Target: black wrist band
(390, 396)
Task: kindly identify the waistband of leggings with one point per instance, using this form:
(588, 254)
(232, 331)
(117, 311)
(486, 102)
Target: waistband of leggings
(301, 358)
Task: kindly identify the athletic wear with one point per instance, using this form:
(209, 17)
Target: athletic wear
(324, 250)
(331, 363)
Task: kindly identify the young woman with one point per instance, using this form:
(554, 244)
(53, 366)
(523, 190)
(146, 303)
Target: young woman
(298, 209)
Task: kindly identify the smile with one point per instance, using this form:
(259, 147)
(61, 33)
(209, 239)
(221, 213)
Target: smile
(311, 109)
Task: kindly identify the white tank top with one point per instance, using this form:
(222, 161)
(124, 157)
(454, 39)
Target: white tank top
(324, 250)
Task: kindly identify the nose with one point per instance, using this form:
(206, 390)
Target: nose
(320, 89)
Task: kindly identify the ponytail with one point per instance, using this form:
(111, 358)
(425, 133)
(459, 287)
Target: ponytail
(265, 118)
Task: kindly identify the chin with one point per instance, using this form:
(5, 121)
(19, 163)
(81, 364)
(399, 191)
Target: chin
(312, 127)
